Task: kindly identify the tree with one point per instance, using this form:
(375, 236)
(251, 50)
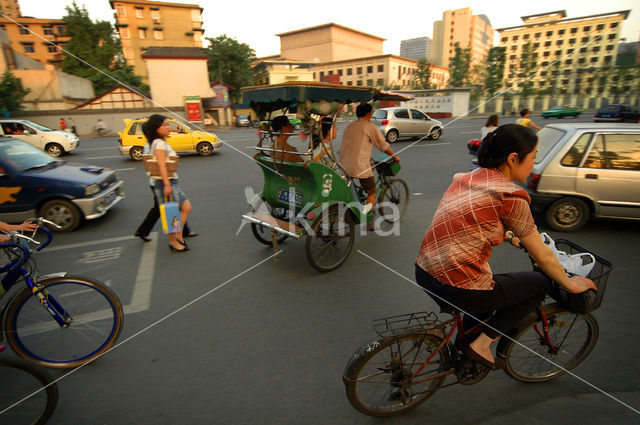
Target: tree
(95, 47)
(459, 67)
(494, 70)
(527, 66)
(11, 92)
(230, 63)
(423, 75)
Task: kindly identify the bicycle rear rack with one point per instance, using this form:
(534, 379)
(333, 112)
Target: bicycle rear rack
(421, 321)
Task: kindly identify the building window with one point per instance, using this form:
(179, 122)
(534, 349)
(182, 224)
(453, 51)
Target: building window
(525, 37)
(583, 49)
(380, 82)
(600, 27)
(549, 33)
(340, 72)
(536, 45)
(155, 16)
(514, 38)
(47, 30)
(28, 48)
(370, 69)
(560, 32)
(572, 41)
(558, 52)
(545, 63)
(349, 83)
(349, 71)
(547, 43)
(545, 54)
(359, 72)
(370, 83)
(60, 30)
(127, 52)
(321, 75)
(124, 32)
(197, 36)
(543, 73)
(612, 36)
(568, 62)
(594, 59)
(537, 35)
(587, 28)
(596, 48)
(559, 42)
(158, 34)
(607, 59)
(513, 49)
(582, 60)
(610, 47)
(613, 25)
(574, 30)
(120, 10)
(52, 49)
(512, 57)
(359, 83)
(503, 39)
(195, 16)
(139, 13)
(142, 33)
(24, 30)
(585, 39)
(380, 68)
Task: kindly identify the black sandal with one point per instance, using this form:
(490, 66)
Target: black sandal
(470, 354)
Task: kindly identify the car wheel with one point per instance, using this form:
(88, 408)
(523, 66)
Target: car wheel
(136, 153)
(63, 213)
(54, 149)
(204, 149)
(567, 214)
(392, 136)
(435, 133)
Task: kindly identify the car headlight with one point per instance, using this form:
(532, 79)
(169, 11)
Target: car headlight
(92, 189)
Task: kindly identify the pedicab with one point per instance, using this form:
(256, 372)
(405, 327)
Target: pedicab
(313, 199)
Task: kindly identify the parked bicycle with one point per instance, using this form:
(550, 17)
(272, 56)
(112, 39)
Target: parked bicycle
(416, 352)
(54, 320)
(28, 394)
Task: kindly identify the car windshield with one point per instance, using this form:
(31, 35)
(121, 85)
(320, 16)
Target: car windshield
(38, 126)
(610, 108)
(21, 156)
(243, 117)
(379, 114)
(547, 139)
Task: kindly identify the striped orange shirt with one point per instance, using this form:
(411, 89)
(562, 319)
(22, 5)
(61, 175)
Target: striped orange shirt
(472, 217)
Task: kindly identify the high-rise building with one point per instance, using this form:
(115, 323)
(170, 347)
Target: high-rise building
(463, 27)
(567, 51)
(416, 48)
(10, 8)
(143, 24)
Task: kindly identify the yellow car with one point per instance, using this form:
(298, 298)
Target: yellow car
(183, 138)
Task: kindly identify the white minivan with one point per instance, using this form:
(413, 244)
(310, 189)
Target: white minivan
(54, 142)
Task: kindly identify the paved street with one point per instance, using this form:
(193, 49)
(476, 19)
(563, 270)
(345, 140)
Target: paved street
(220, 336)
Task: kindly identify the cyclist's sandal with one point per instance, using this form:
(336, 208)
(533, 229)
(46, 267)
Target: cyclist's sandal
(473, 356)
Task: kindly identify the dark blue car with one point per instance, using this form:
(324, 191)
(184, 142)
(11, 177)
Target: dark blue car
(34, 184)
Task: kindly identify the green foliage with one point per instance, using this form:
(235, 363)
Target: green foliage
(230, 63)
(459, 67)
(11, 92)
(527, 68)
(423, 75)
(96, 46)
(494, 65)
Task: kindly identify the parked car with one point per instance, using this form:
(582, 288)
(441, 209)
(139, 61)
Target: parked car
(586, 170)
(243, 120)
(33, 184)
(395, 123)
(54, 142)
(561, 112)
(183, 138)
(617, 112)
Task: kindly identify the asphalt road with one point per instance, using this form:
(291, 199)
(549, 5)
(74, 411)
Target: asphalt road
(225, 335)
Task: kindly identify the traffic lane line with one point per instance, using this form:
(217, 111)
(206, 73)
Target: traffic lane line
(431, 144)
(103, 157)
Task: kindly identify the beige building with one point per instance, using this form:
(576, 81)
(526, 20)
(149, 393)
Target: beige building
(10, 8)
(36, 38)
(567, 50)
(276, 71)
(143, 24)
(463, 27)
(373, 71)
(327, 43)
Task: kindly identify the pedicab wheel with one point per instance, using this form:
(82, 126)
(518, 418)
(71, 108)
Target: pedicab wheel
(263, 234)
(393, 201)
(331, 239)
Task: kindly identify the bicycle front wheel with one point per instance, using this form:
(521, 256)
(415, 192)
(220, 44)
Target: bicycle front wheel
(22, 397)
(95, 319)
(394, 200)
(392, 375)
(530, 358)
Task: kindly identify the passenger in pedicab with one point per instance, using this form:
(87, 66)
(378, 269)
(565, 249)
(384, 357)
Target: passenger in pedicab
(281, 123)
(329, 133)
(355, 151)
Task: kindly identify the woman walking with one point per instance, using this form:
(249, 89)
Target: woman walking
(156, 129)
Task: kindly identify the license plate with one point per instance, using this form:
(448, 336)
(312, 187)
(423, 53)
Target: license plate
(288, 197)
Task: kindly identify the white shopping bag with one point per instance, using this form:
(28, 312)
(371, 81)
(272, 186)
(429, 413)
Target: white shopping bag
(578, 264)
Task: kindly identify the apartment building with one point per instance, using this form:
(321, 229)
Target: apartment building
(35, 38)
(568, 51)
(463, 27)
(10, 8)
(373, 71)
(416, 48)
(143, 24)
(275, 71)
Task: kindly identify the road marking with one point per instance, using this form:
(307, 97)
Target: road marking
(433, 144)
(97, 149)
(125, 169)
(468, 132)
(83, 244)
(104, 157)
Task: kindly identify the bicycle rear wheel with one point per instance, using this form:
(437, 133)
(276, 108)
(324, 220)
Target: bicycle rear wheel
(379, 378)
(529, 357)
(22, 397)
(96, 319)
(394, 200)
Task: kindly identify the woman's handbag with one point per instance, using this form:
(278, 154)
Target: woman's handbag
(170, 216)
(151, 166)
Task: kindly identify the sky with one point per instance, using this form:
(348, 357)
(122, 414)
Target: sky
(256, 22)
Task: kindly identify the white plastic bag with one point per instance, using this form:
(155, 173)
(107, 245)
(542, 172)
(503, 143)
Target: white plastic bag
(578, 264)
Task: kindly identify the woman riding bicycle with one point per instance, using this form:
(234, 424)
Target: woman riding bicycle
(480, 210)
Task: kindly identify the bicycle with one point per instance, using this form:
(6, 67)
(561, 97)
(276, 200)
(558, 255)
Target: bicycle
(414, 353)
(28, 394)
(55, 320)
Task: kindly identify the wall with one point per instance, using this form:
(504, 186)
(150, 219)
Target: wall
(51, 89)
(171, 79)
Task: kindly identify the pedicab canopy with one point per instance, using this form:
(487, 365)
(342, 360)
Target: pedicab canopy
(323, 98)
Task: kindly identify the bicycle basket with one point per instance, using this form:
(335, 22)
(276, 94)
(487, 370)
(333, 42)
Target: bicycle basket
(386, 166)
(406, 323)
(590, 300)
